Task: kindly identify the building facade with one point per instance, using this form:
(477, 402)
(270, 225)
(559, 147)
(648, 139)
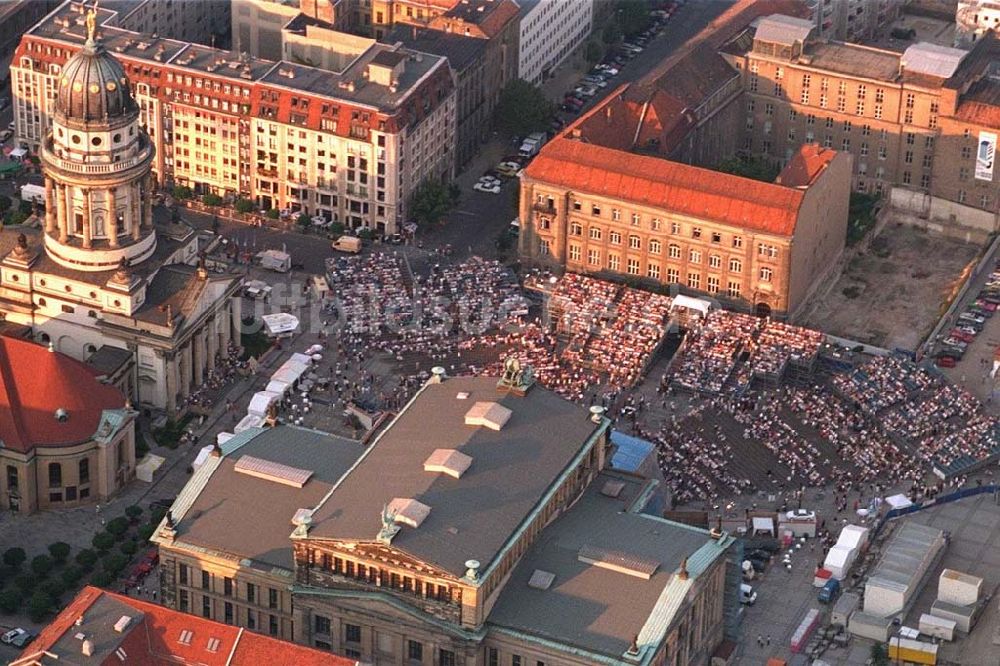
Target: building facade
(463, 571)
(854, 20)
(204, 22)
(285, 135)
(67, 438)
(550, 30)
(481, 48)
(100, 273)
(894, 112)
(596, 210)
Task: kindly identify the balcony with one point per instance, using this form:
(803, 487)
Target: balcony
(144, 155)
(545, 207)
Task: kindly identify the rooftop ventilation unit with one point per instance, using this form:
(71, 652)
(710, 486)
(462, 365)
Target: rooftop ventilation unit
(122, 624)
(272, 471)
(448, 461)
(541, 580)
(492, 415)
(633, 565)
(409, 511)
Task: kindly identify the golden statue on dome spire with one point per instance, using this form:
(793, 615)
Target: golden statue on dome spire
(92, 23)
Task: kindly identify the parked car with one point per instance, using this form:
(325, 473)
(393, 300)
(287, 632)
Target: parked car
(945, 361)
(585, 90)
(758, 565)
(972, 317)
(508, 169)
(979, 312)
(955, 342)
(954, 352)
(17, 637)
(989, 306)
(5, 135)
(964, 336)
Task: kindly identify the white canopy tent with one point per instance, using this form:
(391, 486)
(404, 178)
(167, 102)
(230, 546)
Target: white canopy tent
(203, 454)
(287, 375)
(698, 304)
(248, 421)
(261, 402)
(147, 467)
(763, 525)
(304, 359)
(277, 386)
(899, 501)
(280, 324)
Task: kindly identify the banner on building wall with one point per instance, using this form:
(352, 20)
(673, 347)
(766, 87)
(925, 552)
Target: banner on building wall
(985, 154)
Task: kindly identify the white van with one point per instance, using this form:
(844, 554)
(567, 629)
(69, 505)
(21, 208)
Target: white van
(350, 244)
(747, 594)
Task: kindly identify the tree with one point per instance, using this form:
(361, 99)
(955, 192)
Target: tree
(128, 547)
(593, 52)
(880, 655)
(272, 214)
(10, 600)
(118, 527)
(25, 582)
(5, 203)
(14, 557)
(522, 109)
(242, 205)
(59, 551)
(303, 221)
(211, 199)
(133, 512)
(114, 564)
(146, 531)
(39, 605)
(157, 512)
(183, 192)
(41, 565)
(612, 33)
(752, 167)
(71, 576)
(86, 558)
(102, 579)
(633, 16)
(54, 587)
(26, 207)
(102, 541)
(430, 202)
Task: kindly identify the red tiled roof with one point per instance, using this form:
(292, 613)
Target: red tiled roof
(501, 15)
(805, 165)
(153, 641)
(34, 383)
(671, 186)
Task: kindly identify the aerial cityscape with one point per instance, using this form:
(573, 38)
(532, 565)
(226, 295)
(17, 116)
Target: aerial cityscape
(499, 332)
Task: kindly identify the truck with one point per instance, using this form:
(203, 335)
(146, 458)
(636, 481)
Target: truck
(531, 145)
(350, 244)
(33, 193)
(830, 591)
(275, 260)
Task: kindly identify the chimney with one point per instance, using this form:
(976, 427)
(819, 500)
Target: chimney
(472, 569)
(633, 648)
(437, 374)
(216, 451)
(596, 413)
(88, 648)
(683, 573)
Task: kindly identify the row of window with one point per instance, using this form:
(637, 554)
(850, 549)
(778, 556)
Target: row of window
(229, 613)
(635, 242)
(633, 265)
(385, 578)
(251, 590)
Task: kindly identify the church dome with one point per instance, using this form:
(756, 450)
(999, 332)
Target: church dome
(93, 86)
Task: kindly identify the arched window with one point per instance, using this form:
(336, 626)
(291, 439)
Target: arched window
(55, 475)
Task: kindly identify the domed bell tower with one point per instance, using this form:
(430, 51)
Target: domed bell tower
(97, 161)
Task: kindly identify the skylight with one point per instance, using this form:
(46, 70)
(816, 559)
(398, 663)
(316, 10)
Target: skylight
(409, 511)
(272, 471)
(492, 415)
(626, 563)
(447, 461)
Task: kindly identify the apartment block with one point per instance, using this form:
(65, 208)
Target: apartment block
(351, 142)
